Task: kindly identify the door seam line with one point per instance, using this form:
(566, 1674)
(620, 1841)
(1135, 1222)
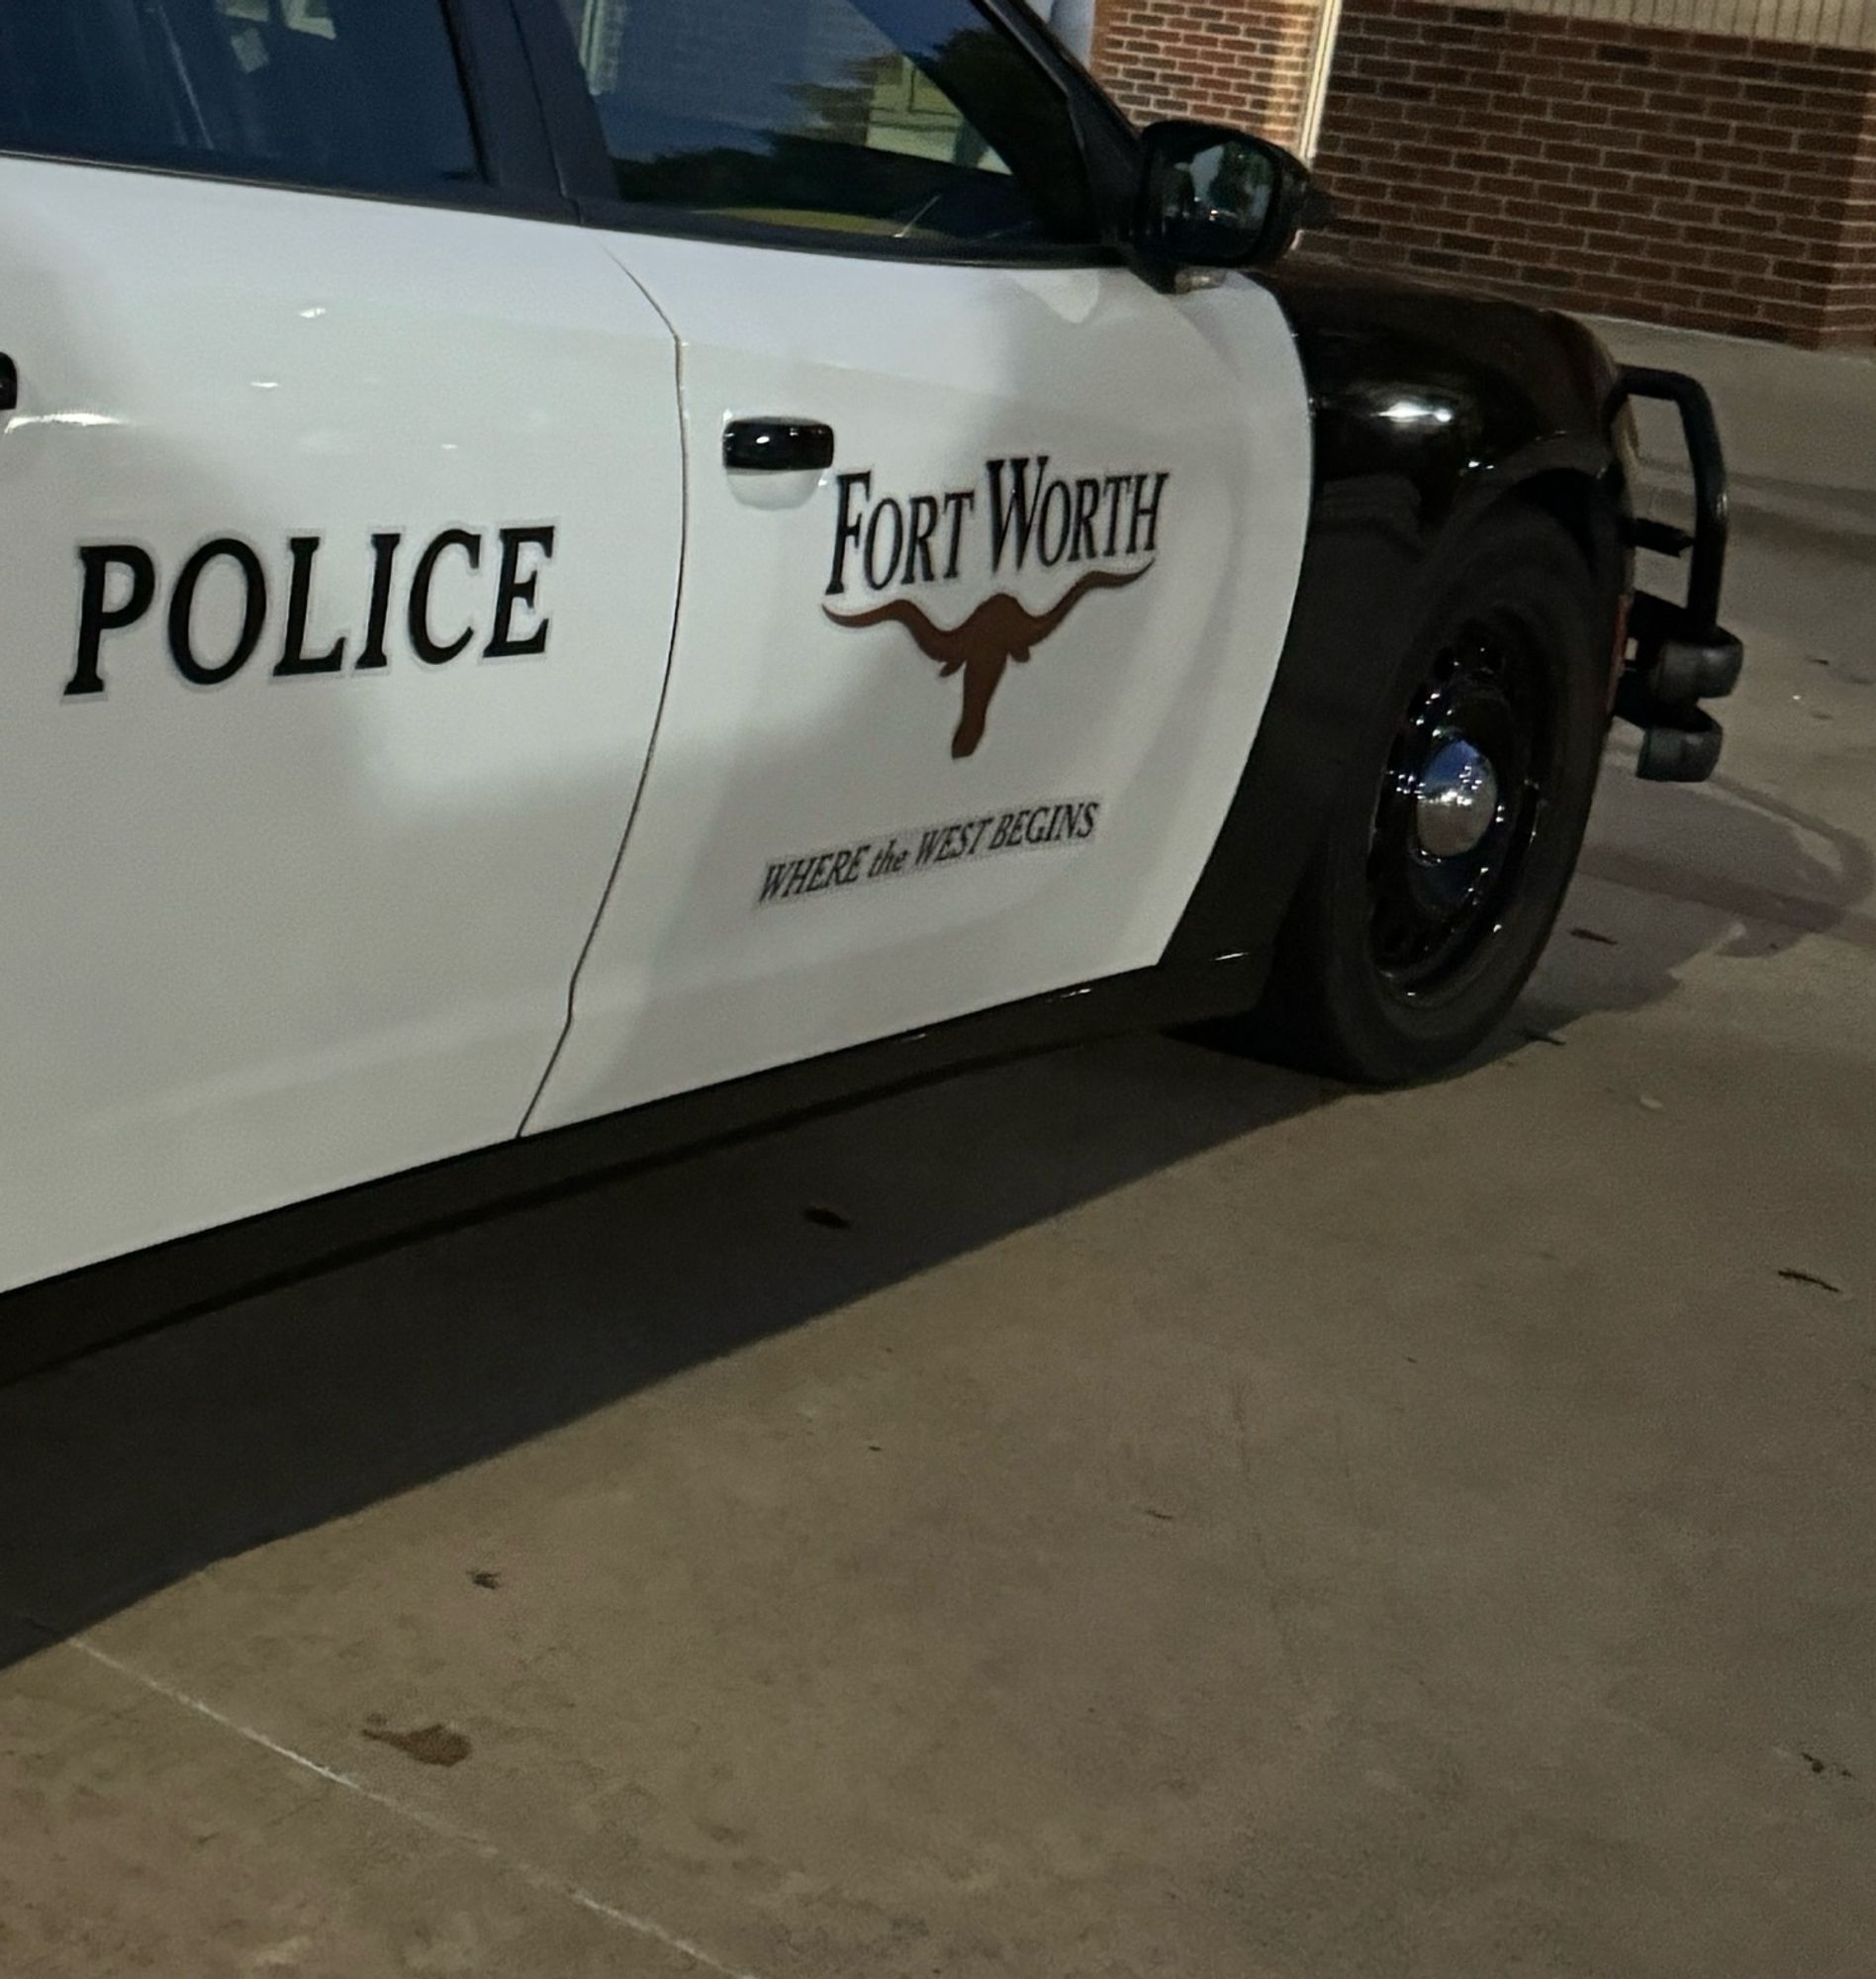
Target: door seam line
(527, 1124)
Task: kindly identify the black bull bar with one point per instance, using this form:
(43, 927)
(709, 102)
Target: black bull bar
(1680, 655)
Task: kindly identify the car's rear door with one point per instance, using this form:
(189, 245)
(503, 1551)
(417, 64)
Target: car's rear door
(954, 716)
(339, 530)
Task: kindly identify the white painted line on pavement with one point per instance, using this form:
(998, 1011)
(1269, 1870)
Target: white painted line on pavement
(463, 1837)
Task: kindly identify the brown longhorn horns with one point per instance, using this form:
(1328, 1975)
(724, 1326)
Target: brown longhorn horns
(1000, 630)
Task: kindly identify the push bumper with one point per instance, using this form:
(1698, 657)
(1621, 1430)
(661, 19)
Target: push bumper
(1680, 656)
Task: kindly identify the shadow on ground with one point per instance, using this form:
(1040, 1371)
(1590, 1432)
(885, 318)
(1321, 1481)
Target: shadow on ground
(128, 1468)
(131, 1468)
(1733, 871)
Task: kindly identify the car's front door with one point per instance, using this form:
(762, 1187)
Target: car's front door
(339, 549)
(955, 715)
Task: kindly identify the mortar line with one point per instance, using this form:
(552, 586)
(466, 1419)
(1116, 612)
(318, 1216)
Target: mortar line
(445, 1831)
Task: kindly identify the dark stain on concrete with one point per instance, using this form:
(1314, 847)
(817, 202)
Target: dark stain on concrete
(429, 1746)
(1794, 1276)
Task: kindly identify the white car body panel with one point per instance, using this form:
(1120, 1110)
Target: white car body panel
(268, 938)
(785, 734)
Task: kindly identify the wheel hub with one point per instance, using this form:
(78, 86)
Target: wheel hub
(1457, 802)
(1464, 791)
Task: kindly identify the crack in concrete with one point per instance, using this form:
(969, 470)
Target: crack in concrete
(462, 1838)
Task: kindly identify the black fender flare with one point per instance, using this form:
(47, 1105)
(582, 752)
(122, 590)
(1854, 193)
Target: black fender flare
(1428, 414)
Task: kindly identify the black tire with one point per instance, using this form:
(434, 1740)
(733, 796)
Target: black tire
(1373, 979)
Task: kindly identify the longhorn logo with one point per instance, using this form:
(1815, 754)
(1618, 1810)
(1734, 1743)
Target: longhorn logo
(1000, 630)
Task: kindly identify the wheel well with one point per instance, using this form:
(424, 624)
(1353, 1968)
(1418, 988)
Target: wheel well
(1588, 513)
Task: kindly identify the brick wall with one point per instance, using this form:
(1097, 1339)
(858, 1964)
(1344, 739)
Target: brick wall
(1849, 314)
(1239, 62)
(1698, 179)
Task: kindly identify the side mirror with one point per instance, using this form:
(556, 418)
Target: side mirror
(1211, 196)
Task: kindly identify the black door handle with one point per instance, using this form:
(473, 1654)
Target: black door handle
(9, 384)
(778, 447)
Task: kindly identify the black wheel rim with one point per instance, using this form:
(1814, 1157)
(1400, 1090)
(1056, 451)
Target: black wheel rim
(1447, 853)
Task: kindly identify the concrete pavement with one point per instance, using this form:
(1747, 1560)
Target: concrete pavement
(1171, 1518)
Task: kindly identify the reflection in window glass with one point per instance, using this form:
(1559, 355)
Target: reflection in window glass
(350, 93)
(908, 119)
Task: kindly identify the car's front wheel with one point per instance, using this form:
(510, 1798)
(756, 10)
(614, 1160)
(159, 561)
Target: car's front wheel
(1438, 881)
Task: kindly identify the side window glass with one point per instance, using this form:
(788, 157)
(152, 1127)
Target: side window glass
(903, 119)
(363, 94)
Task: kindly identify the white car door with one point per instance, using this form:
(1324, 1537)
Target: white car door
(954, 718)
(338, 546)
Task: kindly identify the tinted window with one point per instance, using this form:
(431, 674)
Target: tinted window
(913, 120)
(360, 93)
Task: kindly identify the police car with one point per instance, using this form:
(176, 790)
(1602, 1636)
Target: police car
(579, 571)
